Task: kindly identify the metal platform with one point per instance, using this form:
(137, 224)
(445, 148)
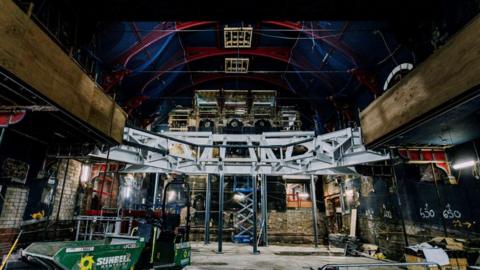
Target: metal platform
(270, 153)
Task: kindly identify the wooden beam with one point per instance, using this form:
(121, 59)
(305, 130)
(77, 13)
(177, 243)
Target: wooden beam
(447, 74)
(29, 54)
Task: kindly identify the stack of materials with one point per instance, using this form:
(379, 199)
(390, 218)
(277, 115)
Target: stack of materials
(349, 243)
(447, 252)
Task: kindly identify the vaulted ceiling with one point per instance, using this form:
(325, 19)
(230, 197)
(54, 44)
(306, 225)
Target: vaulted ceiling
(325, 67)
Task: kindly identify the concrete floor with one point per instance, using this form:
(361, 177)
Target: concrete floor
(239, 256)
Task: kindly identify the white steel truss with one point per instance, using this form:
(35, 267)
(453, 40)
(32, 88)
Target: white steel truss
(270, 153)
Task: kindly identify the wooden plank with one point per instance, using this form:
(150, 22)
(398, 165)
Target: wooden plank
(448, 73)
(353, 222)
(28, 53)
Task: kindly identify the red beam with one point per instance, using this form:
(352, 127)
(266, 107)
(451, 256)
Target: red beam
(278, 53)
(198, 53)
(153, 37)
(10, 118)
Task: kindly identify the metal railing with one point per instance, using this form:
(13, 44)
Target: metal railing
(90, 227)
(426, 265)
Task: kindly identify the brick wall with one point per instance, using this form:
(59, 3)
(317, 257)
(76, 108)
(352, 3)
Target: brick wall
(13, 207)
(294, 226)
(67, 206)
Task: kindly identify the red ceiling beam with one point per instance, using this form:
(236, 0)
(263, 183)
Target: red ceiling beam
(153, 37)
(199, 53)
(278, 53)
(10, 118)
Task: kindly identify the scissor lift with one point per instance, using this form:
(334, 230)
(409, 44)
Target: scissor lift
(242, 187)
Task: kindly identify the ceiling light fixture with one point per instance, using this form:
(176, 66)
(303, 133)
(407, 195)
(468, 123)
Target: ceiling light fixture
(237, 37)
(464, 164)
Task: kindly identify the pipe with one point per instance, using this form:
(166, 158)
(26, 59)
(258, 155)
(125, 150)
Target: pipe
(399, 202)
(313, 196)
(440, 201)
(208, 199)
(220, 211)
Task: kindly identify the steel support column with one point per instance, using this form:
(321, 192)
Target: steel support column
(399, 200)
(208, 198)
(254, 207)
(155, 191)
(221, 195)
(264, 210)
(313, 196)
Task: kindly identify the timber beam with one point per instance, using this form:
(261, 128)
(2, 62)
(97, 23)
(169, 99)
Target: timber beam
(31, 56)
(449, 74)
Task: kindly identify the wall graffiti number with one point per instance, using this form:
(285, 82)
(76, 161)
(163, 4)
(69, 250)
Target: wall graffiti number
(386, 213)
(448, 213)
(369, 213)
(426, 213)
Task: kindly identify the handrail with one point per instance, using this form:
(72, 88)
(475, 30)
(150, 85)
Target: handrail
(367, 265)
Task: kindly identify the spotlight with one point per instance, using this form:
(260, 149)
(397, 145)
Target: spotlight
(464, 164)
(239, 197)
(171, 196)
(85, 172)
(303, 195)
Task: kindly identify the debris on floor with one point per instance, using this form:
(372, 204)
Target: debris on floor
(447, 252)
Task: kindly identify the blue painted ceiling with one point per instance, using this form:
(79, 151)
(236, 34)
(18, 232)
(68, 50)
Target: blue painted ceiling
(330, 67)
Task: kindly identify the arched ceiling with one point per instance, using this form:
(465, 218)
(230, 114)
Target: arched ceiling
(328, 66)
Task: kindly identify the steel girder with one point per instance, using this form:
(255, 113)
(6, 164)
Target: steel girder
(270, 153)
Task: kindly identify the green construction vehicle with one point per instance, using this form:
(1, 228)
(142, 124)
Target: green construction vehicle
(158, 242)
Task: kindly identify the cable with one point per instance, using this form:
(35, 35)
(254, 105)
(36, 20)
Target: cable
(312, 36)
(386, 45)
(390, 55)
(251, 71)
(299, 38)
(254, 31)
(185, 57)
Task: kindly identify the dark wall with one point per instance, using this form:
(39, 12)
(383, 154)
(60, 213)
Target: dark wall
(428, 209)
(422, 204)
(20, 147)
